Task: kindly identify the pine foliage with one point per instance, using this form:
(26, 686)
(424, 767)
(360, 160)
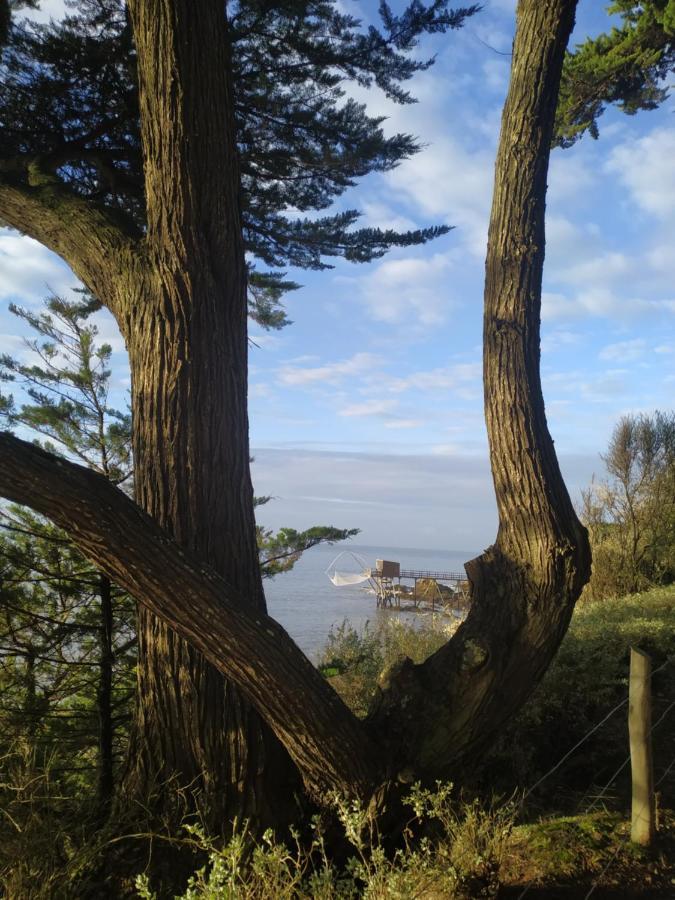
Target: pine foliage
(625, 67)
(69, 108)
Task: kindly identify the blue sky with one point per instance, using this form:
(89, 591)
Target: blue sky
(367, 411)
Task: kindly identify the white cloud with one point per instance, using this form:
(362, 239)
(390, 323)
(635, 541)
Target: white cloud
(379, 214)
(437, 379)
(29, 272)
(600, 271)
(451, 182)
(496, 72)
(555, 306)
(48, 9)
(360, 363)
(645, 166)
(558, 339)
(369, 408)
(404, 423)
(506, 6)
(568, 178)
(265, 339)
(12, 344)
(602, 302)
(259, 391)
(450, 491)
(624, 351)
(410, 290)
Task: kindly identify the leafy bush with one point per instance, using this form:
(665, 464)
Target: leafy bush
(462, 860)
(354, 660)
(631, 515)
(588, 677)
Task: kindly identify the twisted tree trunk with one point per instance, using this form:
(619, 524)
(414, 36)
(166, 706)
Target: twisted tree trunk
(525, 586)
(184, 319)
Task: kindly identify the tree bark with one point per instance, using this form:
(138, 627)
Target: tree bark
(188, 350)
(103, 252)
(187, 345)
(106, 782)
(328, 744)
(525, 586)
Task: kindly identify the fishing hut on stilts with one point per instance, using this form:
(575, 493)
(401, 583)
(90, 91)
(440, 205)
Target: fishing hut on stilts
(408, 589)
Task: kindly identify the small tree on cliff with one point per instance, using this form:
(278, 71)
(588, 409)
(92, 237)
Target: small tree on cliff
(59, 602)
(428, 717)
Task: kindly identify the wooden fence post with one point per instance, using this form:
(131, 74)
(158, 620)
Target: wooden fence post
(643, 818)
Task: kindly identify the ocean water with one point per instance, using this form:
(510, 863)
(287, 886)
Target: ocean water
(307, 603)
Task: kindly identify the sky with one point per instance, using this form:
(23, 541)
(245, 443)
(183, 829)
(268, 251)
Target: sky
(366, 412)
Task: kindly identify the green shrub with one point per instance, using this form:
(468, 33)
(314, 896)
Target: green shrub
(588, 677)
(462, 860)
(354, 660)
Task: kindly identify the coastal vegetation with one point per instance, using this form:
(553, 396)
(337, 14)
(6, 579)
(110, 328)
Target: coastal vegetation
(160, 722)
(461, 840)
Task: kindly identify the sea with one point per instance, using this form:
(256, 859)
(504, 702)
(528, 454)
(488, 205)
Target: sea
(307, 604)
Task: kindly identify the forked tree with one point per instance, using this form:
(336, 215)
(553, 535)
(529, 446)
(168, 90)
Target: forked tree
(149, 144)
(179, 294)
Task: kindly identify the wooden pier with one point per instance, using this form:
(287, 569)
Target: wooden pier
(430, 589)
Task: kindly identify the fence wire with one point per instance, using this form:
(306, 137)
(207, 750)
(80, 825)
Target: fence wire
(579, 743)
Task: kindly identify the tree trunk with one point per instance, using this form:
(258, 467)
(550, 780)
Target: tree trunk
(331, 748)
(187, 345)
(525, 586)
(106, 782)
(187, 340)
(191, 475)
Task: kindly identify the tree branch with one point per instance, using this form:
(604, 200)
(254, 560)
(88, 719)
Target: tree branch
(102, 252)
(327, 743)
(524, 588)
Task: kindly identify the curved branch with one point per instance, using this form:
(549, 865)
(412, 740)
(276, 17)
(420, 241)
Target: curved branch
(102, 252)
(327, 743)
(524, 587)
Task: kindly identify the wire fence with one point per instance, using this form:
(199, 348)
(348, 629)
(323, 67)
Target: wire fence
(615, 775)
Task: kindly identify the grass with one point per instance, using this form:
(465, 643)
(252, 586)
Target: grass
(566, 856)
(588, 677)
(562, 845)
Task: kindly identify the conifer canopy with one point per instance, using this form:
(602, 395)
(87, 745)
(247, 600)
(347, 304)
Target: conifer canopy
(69, 109)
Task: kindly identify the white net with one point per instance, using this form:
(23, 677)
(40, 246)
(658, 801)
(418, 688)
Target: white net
(340, 579)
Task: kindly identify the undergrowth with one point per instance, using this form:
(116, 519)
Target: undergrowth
(460, 857)
(353, 660)
(587, 678)
(52, 846)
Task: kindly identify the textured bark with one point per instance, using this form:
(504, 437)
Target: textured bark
(179, 295)
(184, 320)
(328, 744)
(104, 254)
(106, 783)
(188, 353)
(524, 587)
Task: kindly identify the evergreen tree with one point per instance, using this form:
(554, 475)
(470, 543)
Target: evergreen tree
(625, 67)
(189, 554)
(425, 718)
(163, 245)
(60, 615)
(67, 385)
(69, 104)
